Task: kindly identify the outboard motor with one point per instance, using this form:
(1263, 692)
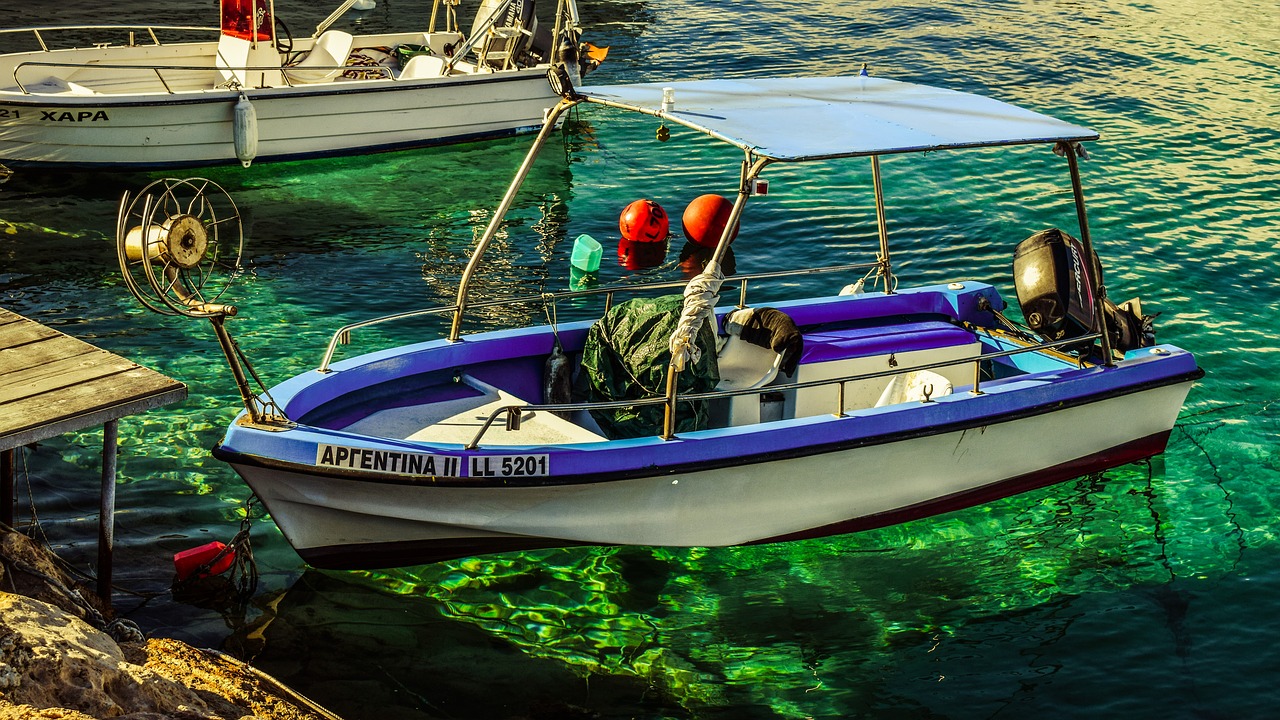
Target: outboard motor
(517, 14)
(1055, 287)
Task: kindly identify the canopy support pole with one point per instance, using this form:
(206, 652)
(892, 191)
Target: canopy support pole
(464, 285)
(751, 167)
(1095, 271)
(882, 227)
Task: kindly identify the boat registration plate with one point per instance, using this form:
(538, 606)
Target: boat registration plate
(411, 463)
(508, 466)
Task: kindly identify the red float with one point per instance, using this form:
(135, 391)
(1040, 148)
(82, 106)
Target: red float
(644, 221)
(189, 562)
(705, 218)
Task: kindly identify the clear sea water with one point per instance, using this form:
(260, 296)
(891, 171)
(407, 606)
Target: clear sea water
(1146, 592)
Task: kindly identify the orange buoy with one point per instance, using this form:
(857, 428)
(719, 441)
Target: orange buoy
(636, 255)
(644, 221)
(704, 220)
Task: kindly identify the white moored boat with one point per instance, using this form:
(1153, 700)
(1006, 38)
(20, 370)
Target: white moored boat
(672, 421)
(133, 101)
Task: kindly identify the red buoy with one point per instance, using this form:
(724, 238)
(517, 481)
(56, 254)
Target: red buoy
(189, 562)
(644, 221)
(705, 218)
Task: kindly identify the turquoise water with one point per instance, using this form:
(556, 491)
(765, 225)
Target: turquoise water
(1145, 592)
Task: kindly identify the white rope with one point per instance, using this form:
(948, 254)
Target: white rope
(700, 298)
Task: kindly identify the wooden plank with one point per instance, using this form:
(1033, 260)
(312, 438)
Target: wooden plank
(92, 395)
(53, 375)
(15, 335)
(58, 347)
(51, 383)
(98, 417)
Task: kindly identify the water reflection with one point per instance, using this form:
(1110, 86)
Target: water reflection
(785, 630)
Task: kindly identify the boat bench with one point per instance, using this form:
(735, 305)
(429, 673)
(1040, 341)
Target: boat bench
(831, 345)
(851, 351)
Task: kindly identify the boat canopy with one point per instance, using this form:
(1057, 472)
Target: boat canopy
(795, 119)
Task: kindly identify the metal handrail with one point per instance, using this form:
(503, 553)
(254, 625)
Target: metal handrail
(343, 334)
(151, 30)
(157, 68)
(716, 394)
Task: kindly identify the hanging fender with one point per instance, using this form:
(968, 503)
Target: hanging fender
(245, 131)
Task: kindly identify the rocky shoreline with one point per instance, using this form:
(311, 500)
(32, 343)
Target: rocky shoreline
(63, 655)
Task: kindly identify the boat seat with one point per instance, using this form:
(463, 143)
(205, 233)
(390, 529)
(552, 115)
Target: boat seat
(840, 352)
(327, 59)
(235, 54)
(743, 365)
(914, 386)
(232, 55)
(828, 345)
(423, 66)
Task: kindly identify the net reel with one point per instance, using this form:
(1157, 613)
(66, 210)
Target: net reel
(179, 243)
(172, 239)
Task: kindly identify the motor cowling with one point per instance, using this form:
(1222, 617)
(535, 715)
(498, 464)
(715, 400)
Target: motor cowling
(1055, 286)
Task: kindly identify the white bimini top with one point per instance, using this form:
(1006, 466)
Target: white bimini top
(794, 119)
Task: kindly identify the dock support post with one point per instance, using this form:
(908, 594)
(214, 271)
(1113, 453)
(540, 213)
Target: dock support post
(107, 514)
(6, 487)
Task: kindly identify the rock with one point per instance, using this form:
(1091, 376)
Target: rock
(54, 662)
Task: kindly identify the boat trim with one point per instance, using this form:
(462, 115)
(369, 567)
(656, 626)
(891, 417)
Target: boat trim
(151, 31)
(216, 95)
(235, 457)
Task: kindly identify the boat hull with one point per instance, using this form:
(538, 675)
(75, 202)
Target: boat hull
(344, 522)
(198, 128)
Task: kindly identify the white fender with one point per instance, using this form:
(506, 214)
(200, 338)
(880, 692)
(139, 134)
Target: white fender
(246, 131)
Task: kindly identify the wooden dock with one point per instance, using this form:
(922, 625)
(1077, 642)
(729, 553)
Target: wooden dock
(50, 384)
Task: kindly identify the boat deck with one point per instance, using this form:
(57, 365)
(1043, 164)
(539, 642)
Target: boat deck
(459, 419)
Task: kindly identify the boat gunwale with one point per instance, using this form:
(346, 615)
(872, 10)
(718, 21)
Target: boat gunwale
(281, 92)
(1049, 406)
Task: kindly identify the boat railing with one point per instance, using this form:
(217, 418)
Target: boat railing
(283, 70)
(343, 335)
(132, 29)
(673, 398)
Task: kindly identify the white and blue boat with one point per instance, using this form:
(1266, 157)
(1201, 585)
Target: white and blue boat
(812, 417)
(147, 96)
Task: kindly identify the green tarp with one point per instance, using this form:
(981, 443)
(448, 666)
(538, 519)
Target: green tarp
(626, 358)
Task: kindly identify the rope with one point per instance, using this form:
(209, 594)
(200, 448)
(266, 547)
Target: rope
(549, 309)
(700, 298)
(120, 629)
